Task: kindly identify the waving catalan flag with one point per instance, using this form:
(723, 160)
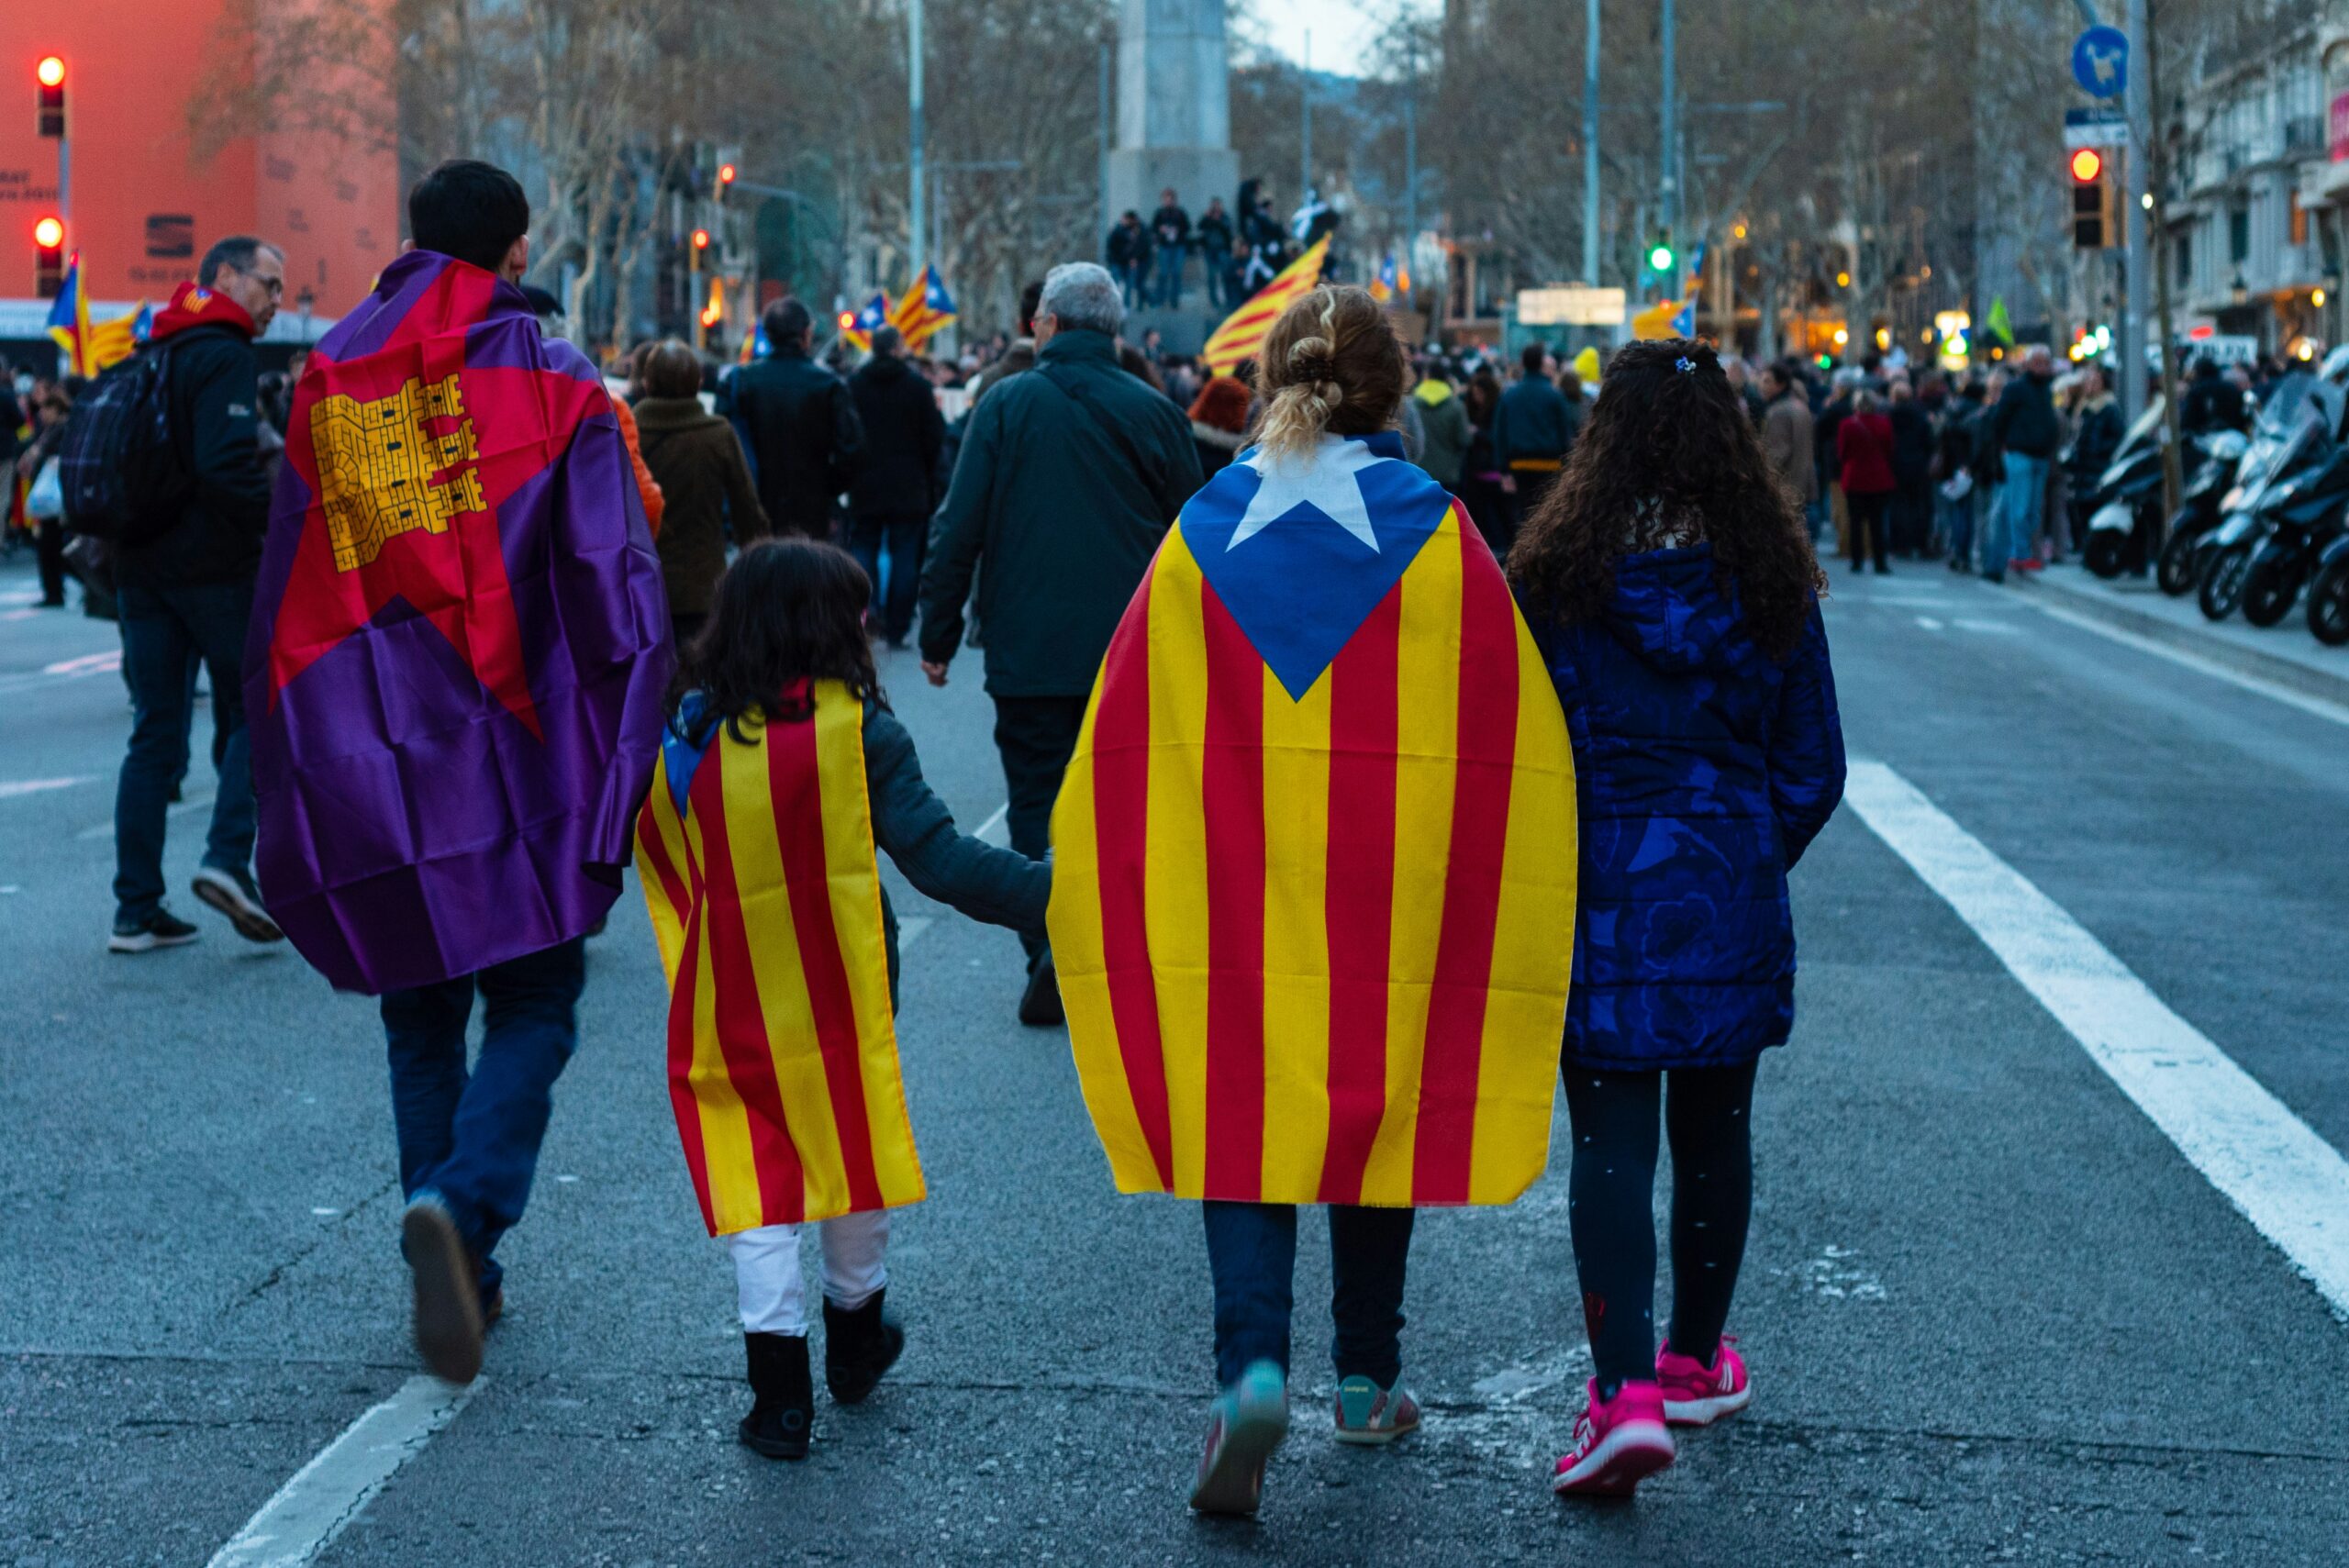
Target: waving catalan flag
(1242, 333)
(756, 854)
(925, 310)
(858, 331)
(1314, 897)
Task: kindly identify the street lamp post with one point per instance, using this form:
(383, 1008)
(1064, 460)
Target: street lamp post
(916, 236)
(1590, 145)
(1667, 158)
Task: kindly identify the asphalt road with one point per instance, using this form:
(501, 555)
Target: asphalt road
(1993, 1312)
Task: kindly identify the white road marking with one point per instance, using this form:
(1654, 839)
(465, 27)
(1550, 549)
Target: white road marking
(1969, 623)
(10, 789)
(1929, 623)
(997, 829)
(328, 1493)
(2291, 1185)
(2273, 690)
(87, 664)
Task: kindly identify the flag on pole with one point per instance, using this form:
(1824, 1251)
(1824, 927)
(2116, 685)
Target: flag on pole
(1999, 323)
(460, 640)
(1242, 333)
(925, 310)
(858, 334)
(1684, 320)
(1663, 318)
(755, 848)
(93, 347)
(1313, 901)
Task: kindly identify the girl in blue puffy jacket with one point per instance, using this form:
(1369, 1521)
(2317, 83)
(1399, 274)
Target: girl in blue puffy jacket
(1670, 583)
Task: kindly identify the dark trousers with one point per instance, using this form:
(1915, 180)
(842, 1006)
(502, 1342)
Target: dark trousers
(1911, 517)
(165, 631)
(1252, 1249)
(473, 1137)
(1036, 736)
(1868, 527)
(49, 545)
(904, 535)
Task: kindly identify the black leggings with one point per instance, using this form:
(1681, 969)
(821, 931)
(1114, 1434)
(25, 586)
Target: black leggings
(1610, 1199)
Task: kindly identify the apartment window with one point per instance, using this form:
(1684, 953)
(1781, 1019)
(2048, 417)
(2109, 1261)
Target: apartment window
(2239, 234)
(2182, 269)
(2299, 221)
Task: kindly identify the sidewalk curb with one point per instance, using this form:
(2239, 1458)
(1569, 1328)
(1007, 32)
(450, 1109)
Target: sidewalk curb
(2289, 672)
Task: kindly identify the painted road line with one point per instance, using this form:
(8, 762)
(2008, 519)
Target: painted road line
(2274, 690)
(11, 788)
(2291, 1185)
(87, 664)
(997, 829)
(331, 1491)
(1929, 623)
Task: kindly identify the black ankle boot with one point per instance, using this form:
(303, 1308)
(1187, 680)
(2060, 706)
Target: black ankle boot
(783, 1396)
(860, 1344)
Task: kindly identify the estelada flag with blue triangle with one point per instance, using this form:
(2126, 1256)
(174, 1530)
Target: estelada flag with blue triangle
(1313, 901)
(925, 310)
(92, 347)
(858, 333)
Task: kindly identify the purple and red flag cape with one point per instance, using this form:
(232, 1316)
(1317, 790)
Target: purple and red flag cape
(459, 642)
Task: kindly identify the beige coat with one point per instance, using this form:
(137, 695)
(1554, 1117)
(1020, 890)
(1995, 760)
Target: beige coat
(1786, 437)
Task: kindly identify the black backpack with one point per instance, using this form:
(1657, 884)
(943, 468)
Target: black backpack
(120, 470)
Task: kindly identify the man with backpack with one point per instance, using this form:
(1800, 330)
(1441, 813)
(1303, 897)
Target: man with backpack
(186, 528)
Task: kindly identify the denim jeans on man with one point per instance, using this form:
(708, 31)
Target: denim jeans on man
(2022, 500)
(904, 535)
(1252, 1249)
(474, 1137)
(165, 630)
(1169, 287)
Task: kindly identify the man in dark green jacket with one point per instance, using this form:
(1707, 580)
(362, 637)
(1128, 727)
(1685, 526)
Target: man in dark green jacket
(1067, 480)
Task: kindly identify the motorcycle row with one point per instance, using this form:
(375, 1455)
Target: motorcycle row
(2263, 518)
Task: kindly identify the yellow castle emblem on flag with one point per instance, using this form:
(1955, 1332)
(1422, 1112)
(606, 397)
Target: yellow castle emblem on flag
(377, 463)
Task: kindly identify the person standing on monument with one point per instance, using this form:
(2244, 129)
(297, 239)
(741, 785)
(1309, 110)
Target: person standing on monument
(1067, 479)
(1170, 231)
(1215, 250)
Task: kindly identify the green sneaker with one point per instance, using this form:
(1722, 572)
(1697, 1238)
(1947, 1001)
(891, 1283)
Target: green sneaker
(1246, 1422)
(1371, 1416)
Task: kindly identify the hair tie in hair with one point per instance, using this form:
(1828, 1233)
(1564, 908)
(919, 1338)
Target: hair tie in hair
(1685, 365)
(1330, 393)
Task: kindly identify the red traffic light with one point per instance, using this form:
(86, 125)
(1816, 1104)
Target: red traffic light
(701, 238)
(2087, 163)
(49, 116)
(48, 258)
(51, 71)
(847, 319)
(49, 233)
(725, 173)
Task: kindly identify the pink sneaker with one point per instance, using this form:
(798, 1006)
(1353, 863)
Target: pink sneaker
(1618, 1442)
(1696, 1395)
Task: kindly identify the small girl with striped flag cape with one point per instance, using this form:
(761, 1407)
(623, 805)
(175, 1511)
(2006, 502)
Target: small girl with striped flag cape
(781, 772)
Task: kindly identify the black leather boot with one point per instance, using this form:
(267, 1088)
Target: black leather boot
(783, 1396)
(860, 1344)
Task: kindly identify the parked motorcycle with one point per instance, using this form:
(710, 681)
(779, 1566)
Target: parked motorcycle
(2294, 434)
(2329, 596)
(2212, 461)
(2126, 502)
(2299, 522)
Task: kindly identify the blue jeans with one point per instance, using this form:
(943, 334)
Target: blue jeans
(1252, 1249)
(2022, 500)
(472, 1139)
(1169, 288)
(165, 630)
(904, 535)
(1957, 524)
(1131, 279)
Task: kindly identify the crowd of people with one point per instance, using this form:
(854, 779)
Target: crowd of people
(1239, 252)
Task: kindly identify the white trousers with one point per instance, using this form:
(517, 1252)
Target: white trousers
(766, 1269)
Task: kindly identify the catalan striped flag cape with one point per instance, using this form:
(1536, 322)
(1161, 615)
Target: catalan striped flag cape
(1242, 333)
(755, 848)
(858, 333)
(925, 310)
(1313, 900)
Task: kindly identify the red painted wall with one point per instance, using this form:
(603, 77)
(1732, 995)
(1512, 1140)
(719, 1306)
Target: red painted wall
(131, 67)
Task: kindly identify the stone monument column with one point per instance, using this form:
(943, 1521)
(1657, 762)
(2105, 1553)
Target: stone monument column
(1174, 127)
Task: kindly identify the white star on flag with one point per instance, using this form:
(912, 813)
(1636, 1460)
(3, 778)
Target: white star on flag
(1328, 482)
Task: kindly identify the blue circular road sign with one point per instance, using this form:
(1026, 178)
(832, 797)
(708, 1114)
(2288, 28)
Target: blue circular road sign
(2100, 61)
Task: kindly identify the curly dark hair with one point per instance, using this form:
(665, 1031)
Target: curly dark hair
(1669, 457)
(789, 611)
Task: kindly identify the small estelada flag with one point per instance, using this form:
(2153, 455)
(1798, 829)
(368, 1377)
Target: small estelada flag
(925, 310)
(1313, 899)
(858, 329)
(755, 846)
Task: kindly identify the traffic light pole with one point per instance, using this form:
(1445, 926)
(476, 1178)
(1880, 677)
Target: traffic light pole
(1590, 147)
(1667, 158)
(2139, 252)
(917, 236)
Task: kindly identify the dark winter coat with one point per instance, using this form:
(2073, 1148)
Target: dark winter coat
(2024, 420)
(213, 388)
(1703, 770)
(1913, 443)
(2212, 402)
(804, 433)
(697, 463)
(1863, 455)
(1443, 415)
(2098, 437)
(903, 431)
(1214, 231)
(1170, 228)
(1056, 513)
(1534, 423)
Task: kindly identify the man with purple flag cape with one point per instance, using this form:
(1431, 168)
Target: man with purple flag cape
(459, 652)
